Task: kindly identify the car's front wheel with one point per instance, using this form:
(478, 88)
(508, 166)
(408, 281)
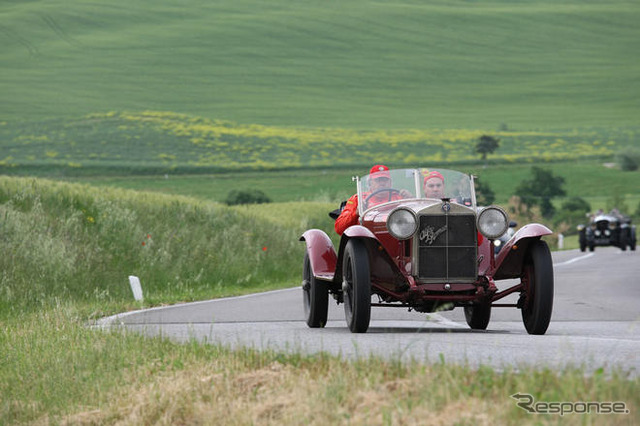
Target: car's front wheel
(315, 297)
(537, 276)
(356, 286)
(624, 239)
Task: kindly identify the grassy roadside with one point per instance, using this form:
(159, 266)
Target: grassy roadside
(115, 378)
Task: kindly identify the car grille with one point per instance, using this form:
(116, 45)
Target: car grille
(447, 245)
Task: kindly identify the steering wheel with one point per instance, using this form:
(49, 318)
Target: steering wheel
(391, 191)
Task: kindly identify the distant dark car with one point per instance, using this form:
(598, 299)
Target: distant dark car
(607, 230)
(427, 254)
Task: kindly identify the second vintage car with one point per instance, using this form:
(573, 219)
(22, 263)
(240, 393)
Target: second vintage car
(611, 229)
(427, 254)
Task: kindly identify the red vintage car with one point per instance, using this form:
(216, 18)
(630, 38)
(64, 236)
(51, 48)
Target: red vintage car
(427, 254)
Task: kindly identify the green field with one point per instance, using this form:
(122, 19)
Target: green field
(155, 142)
(359, 64)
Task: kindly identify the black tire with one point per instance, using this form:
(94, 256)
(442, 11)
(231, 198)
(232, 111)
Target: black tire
(356, 286)
(537, 275)
(583, 241)
(315, 297)
(624, 239)
(478, 316)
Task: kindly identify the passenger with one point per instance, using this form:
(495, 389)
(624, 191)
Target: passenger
(433, 185)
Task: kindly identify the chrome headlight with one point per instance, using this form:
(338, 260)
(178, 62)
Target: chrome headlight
(493, 222)
(402, 224)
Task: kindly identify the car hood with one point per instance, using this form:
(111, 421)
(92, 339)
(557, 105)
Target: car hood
(381, 212)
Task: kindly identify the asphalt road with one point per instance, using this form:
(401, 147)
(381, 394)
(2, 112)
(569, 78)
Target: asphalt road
(595, 323)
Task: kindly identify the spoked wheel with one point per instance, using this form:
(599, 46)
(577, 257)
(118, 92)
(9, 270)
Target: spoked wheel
(315, 297)
(478, 315)
(538, 293)
(356, 286)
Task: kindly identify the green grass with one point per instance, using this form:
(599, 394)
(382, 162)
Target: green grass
(359, 64)
(79, 242)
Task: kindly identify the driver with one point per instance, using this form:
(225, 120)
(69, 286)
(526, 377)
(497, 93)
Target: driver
(379, 178)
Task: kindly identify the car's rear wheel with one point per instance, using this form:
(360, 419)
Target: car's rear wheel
(478, 315)
(356, 286)
(537, 276)
(315, 297)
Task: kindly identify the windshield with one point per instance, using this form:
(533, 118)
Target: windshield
(428, 183)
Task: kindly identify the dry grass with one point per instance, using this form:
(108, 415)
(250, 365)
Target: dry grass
(245, 387)
(283, 394)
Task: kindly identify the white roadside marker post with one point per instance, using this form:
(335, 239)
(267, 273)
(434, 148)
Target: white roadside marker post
(136, 288)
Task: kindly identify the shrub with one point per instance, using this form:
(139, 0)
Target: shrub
(249, 196)
(576, 204)
(540, 189)
(572, 213)
(629, 159)
(484, 194)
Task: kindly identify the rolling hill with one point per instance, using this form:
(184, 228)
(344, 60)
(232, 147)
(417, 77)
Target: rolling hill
(359, 64)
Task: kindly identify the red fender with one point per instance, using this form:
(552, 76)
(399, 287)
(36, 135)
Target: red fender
(322, 255)
(511, 256)
(355, 231)
(383, 268)
(359, 231)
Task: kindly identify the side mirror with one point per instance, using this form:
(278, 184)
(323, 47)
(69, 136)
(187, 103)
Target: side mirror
(335, 213)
